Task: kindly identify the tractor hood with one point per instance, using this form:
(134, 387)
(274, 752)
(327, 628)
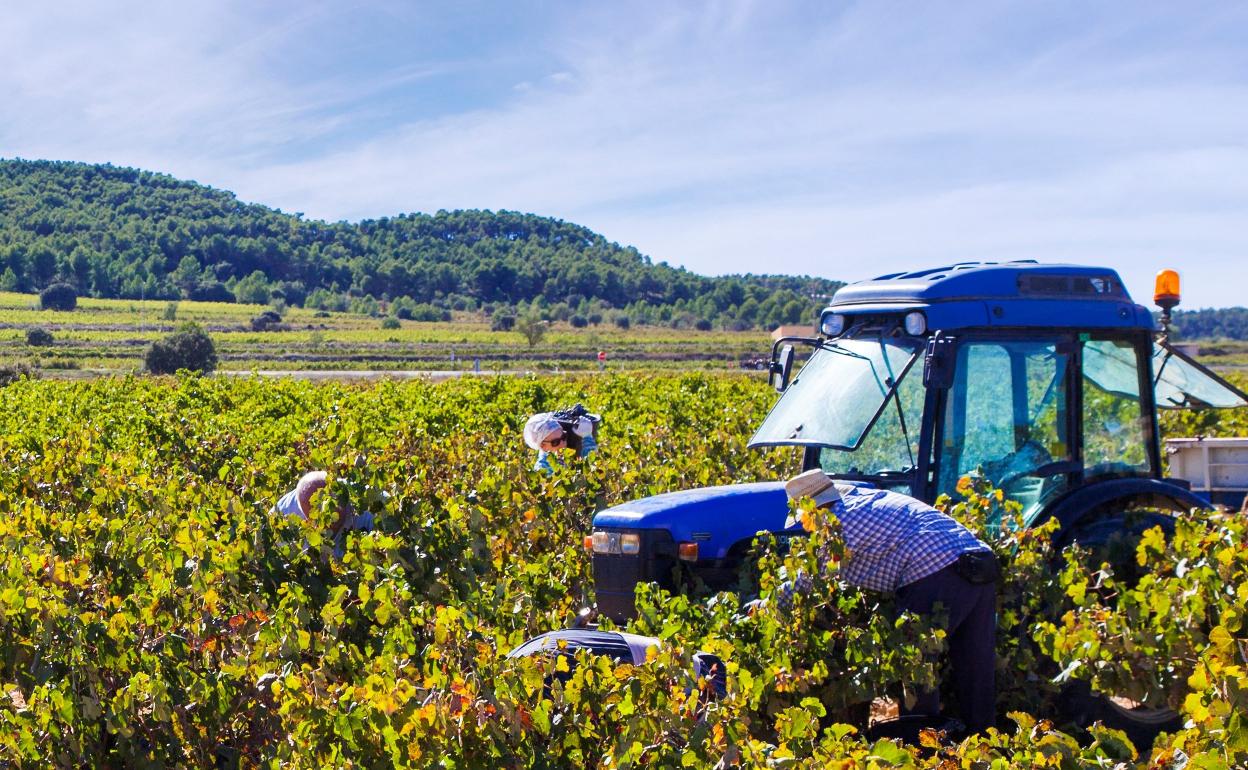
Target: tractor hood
(714, 517)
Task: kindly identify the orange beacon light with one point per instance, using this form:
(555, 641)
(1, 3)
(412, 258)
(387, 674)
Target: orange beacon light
(1166, 291)
(1166, 294)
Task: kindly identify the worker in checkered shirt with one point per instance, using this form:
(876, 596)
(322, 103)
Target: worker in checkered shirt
(897, 544)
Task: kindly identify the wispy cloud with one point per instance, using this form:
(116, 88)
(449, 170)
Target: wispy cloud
(174, 84)
(841, 140)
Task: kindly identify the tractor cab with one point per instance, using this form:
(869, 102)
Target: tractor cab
(1042, 378)
(1045, 379)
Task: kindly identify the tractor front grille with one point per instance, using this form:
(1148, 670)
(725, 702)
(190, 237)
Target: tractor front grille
(617, 575)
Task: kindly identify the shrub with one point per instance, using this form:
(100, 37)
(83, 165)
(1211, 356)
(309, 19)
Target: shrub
(578, 321)
(38, 337)
(533, 328)
(253, 290)
(595, 318)
(557, 312)
(291, 292)
(211, 291)
(188, 348)
(323, 299)
(171, 311)
(269, 320)
(702, 325)
(402, 308)
(366, 305)
(503, 323)
(12, 372)
(427, 312)
(623, 321)
(391, 323)
(59, 296)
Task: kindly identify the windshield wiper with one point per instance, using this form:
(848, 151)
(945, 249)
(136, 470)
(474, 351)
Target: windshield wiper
(896, 391)
(832, 347)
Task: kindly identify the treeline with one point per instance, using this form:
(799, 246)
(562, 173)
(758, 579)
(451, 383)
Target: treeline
(1228, 323)
(122, 232)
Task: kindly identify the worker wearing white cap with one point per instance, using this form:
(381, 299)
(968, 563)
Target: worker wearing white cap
(570, 430)
(298, 502)
(897, 544)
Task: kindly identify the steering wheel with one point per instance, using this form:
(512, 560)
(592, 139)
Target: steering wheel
(1043, 472)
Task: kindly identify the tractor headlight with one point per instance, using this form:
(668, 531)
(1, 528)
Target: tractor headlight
(916, 323)
(624, 543)
(832, 324)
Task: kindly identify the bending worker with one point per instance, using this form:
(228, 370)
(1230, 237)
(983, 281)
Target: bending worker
(298, 502)
(897, 544)
(571, 430)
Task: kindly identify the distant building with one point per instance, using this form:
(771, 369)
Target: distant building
(793, 330)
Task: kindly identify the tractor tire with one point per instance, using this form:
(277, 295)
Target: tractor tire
(1113, 534)
(1080, 705)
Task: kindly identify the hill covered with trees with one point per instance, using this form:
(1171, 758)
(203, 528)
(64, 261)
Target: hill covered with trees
(126, 233)
(1228, 323)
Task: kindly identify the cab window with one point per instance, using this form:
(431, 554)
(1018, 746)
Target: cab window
(1115, 431)
(1006, 418)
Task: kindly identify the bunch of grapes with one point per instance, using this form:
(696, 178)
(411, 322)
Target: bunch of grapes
(784, 596)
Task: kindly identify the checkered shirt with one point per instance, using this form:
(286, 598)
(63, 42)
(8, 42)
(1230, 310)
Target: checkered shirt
(893, 540)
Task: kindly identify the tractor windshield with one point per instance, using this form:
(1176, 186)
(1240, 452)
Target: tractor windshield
(839, 394)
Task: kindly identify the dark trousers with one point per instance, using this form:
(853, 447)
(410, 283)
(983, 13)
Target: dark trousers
(972, 636)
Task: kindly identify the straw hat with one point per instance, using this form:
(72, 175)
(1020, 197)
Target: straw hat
(814, 484)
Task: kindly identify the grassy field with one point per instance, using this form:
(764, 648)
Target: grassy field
(1224, 354)
(114, 334)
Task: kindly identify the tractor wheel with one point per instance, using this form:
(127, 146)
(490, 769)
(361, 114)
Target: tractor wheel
(1112, 537)
(1142, 725)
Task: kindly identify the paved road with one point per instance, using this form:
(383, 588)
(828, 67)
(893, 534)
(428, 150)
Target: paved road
(434, 375)
(367, 374)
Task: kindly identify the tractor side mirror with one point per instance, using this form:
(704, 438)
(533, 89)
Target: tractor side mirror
(938, 363)
(781, 367)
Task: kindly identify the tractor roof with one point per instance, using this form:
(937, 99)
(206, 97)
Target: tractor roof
(1000, 294)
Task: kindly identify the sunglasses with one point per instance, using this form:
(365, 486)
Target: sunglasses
(554, 443)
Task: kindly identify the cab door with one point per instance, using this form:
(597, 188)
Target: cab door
(1007, 416)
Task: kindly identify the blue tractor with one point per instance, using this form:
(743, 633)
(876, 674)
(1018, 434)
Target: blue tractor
(1045, 378)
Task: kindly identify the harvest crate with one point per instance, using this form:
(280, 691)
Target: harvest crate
(1216, 467)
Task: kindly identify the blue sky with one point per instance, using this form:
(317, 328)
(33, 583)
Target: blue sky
(832, 138)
